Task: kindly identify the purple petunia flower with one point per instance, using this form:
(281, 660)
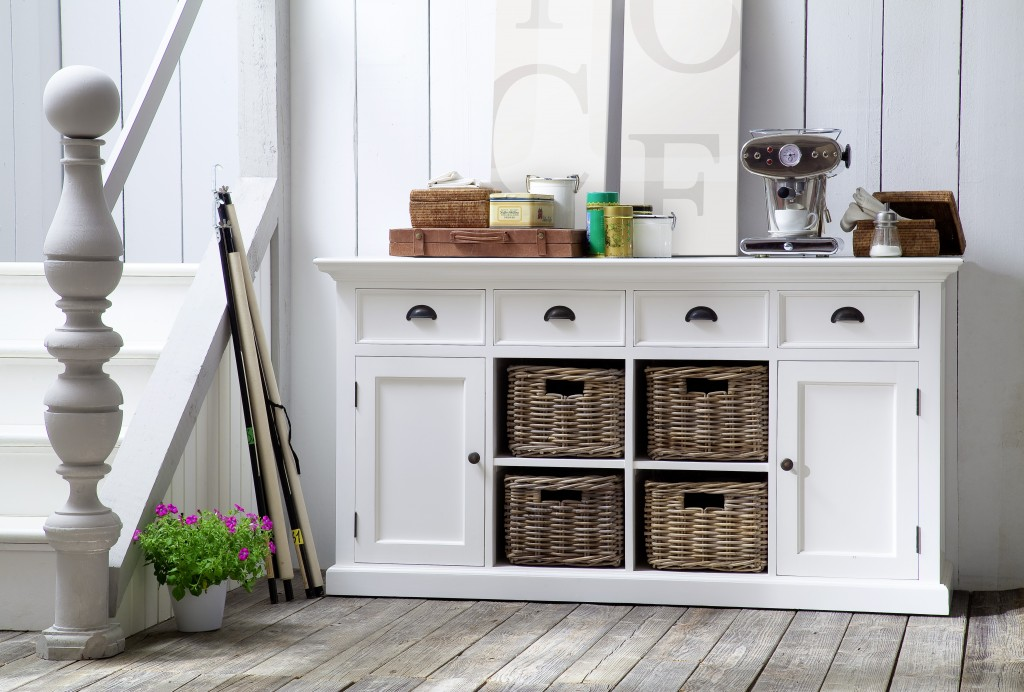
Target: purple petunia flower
(161, 510)
(243, 553)
(273, 548)
(191, 519)
(172, 509)
(240, 508)
(267, 524)
(135, 536)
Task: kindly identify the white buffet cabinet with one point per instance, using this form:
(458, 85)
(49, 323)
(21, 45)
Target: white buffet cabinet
(861, 467)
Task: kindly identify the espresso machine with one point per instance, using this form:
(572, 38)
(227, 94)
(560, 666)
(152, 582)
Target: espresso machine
(795, 165)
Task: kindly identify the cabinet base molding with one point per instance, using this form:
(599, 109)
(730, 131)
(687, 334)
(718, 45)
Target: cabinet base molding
(576, 585)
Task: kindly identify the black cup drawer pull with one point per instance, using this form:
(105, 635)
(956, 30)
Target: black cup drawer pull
(701, 312)
(847, 314)
(421, 312)
(559, 312)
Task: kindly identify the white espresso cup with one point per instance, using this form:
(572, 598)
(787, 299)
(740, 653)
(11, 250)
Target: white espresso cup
(791, 220)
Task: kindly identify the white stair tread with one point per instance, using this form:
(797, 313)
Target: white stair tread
(143, 350)
(22, 530)
(23, 436)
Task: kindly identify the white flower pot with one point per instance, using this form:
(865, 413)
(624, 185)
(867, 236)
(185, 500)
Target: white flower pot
(201, 613)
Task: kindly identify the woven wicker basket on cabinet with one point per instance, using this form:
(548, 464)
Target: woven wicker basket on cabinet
(570, 520)
(566, 411)
(732, 537)
(728, 422)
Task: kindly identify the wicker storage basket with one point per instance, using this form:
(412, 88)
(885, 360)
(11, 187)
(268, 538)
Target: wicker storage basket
(574, 520)
(707, 525)
(451, 207)
(708, 413)
(567, 412)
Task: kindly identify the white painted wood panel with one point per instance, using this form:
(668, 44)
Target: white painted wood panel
(450, 317)
(90, 33)
(772, 90)
(420, 501)
(8, 198)
(461, 86)
(848, 507)
(921, 97)
(991, 475)
(35, 43)
(209, 120)
(152, 193)
(844, 90)
(663, 318)
(393, 113)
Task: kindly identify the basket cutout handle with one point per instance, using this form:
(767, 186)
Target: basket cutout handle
(561, 496)
(564, 387)
(703, 501)
(703, 385)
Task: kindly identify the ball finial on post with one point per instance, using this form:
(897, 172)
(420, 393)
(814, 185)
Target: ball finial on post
(81, 102)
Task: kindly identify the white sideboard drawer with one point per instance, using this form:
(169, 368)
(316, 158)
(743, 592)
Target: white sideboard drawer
(595, 318)
(860, 319)
(701, 318)
(419, 317)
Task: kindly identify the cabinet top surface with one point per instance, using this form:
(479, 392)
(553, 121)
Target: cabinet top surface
(378, 270)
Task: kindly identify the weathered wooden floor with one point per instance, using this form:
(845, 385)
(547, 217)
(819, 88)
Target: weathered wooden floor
(401, 644)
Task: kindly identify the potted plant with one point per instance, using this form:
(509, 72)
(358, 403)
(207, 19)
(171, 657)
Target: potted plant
(195, 555)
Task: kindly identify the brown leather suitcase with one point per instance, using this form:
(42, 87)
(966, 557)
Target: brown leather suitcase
(487, 242)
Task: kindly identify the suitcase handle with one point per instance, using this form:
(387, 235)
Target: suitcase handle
(478, 237)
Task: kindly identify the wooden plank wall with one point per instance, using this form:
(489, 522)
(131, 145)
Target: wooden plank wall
(166, 212)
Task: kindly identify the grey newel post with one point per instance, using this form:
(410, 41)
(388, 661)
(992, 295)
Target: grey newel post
(83, 407)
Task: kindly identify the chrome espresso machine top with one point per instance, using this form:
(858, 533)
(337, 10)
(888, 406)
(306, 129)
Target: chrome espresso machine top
(795, 165)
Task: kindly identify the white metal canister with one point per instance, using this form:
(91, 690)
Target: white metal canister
(652, 235)
(563, 190)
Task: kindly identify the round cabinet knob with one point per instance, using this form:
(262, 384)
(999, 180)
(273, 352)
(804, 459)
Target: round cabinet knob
(787, 464)
(474, 458)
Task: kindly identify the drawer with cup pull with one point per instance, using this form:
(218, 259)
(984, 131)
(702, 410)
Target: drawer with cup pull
(578, 318)
(701, 318)
(405, 316)
(843, 319)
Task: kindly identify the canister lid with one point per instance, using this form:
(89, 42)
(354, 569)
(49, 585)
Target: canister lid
(520, 197)
(643, 209)
(655, 218)
(573, 179)
(618, 210)
(602, 197)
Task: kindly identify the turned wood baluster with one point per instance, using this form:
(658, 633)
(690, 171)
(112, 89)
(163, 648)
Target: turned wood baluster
(83, 407)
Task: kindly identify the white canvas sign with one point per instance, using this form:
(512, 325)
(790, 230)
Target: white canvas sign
(551, 94)
(680, 117)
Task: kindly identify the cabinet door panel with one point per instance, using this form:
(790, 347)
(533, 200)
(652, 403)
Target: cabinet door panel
(848, 506)
(418, 499)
